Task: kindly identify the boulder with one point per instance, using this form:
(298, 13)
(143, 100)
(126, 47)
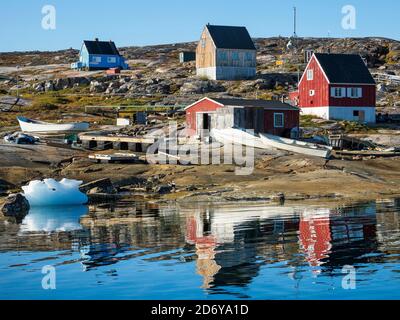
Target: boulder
(49, 86)
(98, 87)
(16, 205)
(201, 86)
(164, 189)
(99, 186)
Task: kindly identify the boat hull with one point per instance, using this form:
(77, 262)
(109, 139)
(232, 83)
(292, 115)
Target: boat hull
(238, 137)
(296, 146)
(43, 127)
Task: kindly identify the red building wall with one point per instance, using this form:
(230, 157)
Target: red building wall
(368, 98)
(292, 120)
(201, 106)
(322, 87)
(320, 84)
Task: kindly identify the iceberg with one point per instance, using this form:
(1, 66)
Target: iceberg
(50, 192)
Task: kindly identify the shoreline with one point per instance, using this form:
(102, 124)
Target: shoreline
(293, 177)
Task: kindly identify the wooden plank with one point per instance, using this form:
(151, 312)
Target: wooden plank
(117, 139)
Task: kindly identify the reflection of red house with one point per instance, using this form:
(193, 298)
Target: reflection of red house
(315, 239)
(195, 236)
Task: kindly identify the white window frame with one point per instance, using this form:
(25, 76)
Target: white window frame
(96, 59)
(312, 93)
(111, 60)
(354, 92)
(283, 120)
(338, 92)
(310, 74)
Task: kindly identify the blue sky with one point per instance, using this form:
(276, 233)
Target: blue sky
(141, 22)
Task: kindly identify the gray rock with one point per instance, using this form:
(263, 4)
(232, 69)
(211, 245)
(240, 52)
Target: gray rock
(164, 189)
(99, 186)
(201, 86)
(97, 87)
(39, 87)
(16, 206)
(49, 86)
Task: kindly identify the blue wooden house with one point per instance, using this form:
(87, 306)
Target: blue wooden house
(99, 55)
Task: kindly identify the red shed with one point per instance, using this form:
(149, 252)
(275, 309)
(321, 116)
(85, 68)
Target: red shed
(337, 87)
(262, 116)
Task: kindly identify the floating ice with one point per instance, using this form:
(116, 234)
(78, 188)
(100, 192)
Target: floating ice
(50, 192)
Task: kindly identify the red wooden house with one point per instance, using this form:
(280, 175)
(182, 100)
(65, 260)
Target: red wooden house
(337, 87)
(262, 116)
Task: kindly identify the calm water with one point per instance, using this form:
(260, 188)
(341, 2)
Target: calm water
(144, 251)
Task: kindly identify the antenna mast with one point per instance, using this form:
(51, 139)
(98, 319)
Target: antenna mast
(295, 22)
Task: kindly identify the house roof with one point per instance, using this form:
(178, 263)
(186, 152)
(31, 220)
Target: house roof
(226, 37)
(101, 47)
(266, 104)
(345, 68)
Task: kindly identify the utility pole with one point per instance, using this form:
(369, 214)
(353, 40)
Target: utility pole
(295, 22)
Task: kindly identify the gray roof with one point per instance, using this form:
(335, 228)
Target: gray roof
(101, 47)
(345, 68)
(266, 104)
(226, 37)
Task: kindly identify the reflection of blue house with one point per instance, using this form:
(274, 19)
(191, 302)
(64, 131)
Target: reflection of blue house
(99, 55)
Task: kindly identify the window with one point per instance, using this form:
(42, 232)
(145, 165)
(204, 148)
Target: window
(203, 43)
(96, 59)
(310, 74)
(249, 56)
(338, 92)
(235, 56)
(354, 92)
(222, 55)
(312, 93)
(356, 113)
(279, 120)
(112, 60)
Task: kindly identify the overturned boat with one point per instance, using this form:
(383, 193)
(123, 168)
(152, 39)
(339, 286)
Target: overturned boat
(296, 146)
(237, 137)
(29, 125)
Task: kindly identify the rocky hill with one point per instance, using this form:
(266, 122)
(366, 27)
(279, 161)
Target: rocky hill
(157, 76)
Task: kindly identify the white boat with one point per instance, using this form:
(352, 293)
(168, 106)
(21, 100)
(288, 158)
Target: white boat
(238, 137)
(29, 125)
(296, 146)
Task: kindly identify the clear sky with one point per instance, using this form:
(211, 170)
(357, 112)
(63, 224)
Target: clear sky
(142, 22)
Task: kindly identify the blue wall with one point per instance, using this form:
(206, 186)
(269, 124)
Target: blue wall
(99, 61)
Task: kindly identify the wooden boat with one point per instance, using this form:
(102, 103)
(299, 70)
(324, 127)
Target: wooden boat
(116, 157)
(29, 125)
(296, 146)
(238, 137)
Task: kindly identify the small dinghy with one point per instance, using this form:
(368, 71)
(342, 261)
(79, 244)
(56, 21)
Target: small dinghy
(296, 146)
(238, 137)
(29, 125)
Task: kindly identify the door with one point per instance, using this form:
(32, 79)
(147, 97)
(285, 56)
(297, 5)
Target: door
(361, 116)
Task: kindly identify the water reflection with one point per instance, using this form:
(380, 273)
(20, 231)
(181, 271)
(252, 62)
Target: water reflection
(54, 219)
(230, 247)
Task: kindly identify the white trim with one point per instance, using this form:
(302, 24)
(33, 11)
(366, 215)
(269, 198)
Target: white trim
(310, 74)
(205, 98)
(283, 119)
(319, 65)
(341, 113)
